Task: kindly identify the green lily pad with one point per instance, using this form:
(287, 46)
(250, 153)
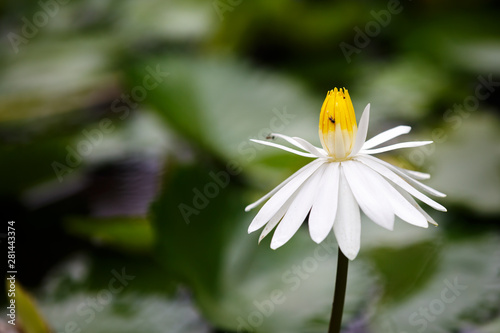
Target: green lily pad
(465, 273)
(479, 56)
(491, 327)
(220, 104)
(405, 89)
(465, 160)
(19, 175)
(51, 77)
(102, 292)
(128, 234)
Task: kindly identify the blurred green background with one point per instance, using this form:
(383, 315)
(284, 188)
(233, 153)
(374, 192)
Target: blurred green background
(126, 162)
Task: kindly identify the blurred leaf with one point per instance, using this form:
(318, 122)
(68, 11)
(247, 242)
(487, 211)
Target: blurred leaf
(465, 271)
(19, 174)
(479, 56)
(191, 241)
(49, 77)
(447, 33)
(318, 28)
(175, 21)
(142, 134)
(403, 89)
(28, 315)
(127, 313)
(491, 327)
(128, 234)
(221, 104)
(465, 160)
(106, 293)
(415, 265)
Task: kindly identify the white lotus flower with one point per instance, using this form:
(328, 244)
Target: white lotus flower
(343, 177)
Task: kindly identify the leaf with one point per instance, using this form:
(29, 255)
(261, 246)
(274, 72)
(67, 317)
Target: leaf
(478, 56)
(491, 327)
(451, 297)
(26, 310)
(127, 234)
(220, 104)
(104, 292)
(127, 313)
(175, 21)
(416, 264)
(464, 160)
(404, 89)
(19, 175)
(50, 77)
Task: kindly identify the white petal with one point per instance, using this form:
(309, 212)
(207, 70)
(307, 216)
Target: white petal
(347, 226)
(387, 173)
(298, 210)
(400, 145)
(302, 144)
(401, 207)
(325, 205)
(408, 178)
(410, 173)
(273, 222)
(415, 174)
(362, 131)
(386, 136)
(416, 205)
(368, 195)
(339, 144)
(311, 148)
(268, 195)
(279, 199)
(272, 144)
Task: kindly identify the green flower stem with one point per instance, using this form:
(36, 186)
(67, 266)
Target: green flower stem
(339, 296)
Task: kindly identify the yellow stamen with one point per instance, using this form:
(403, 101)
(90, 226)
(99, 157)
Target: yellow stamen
(337, 124)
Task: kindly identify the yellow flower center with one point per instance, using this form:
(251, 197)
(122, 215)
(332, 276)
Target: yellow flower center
(337, 124)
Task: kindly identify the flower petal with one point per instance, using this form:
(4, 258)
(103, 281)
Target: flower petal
(302, 144)
(362, 131)
(339, 144)
(273, 222)
(416, 205)
(401, 207)
(298, 210)
(325, 204)
(279, 199)
(272, 144)
(368, 195)
(268, 195)
(387, 173)
(347, 226)
(400, 145)
(386, 136)
(311, 148)
(408, 178)
(415, 174)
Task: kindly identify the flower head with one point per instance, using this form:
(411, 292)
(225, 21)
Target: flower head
(342, 178)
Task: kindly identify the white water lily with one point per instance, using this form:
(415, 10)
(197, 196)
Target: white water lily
(343, 178)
